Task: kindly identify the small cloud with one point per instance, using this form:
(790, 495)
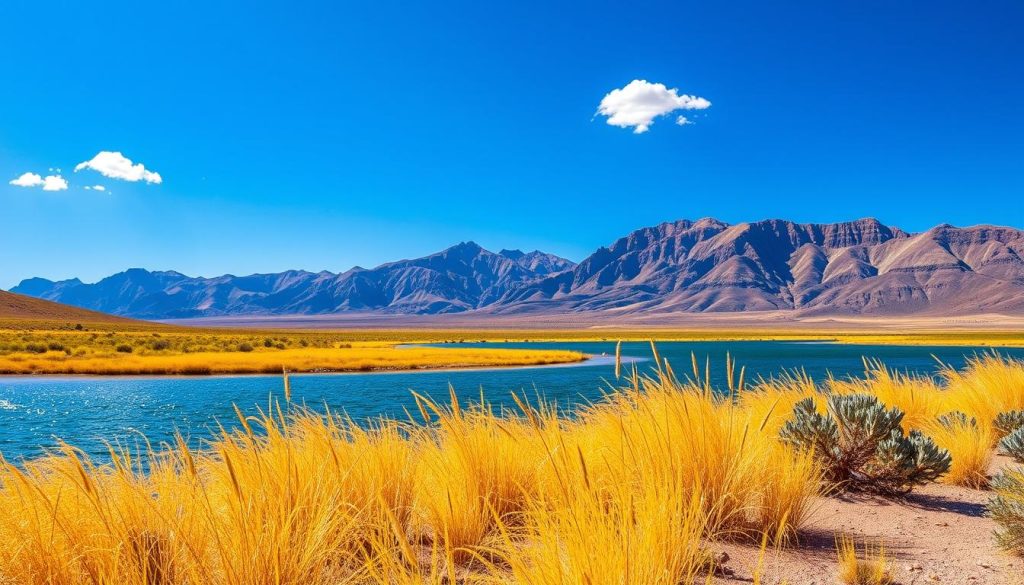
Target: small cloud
(95, 188)
(48, 183)
(55, 183)
(638, 103)
(115, 165)
(27, 180)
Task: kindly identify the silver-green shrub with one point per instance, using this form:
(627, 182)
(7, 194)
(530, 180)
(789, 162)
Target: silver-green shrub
(862, 447)
(1007, 509)
(1013, 445)
(1007, 422)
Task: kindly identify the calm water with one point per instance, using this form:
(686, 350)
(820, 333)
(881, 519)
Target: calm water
(36, 411)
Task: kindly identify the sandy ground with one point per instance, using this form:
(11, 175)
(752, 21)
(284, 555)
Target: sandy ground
(773, 320)
(937, 534)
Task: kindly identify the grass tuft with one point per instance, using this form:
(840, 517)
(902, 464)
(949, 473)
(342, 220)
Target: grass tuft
(869, 569)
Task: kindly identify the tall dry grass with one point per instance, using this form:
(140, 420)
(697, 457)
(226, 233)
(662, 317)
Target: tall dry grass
(988, 385)
(632, 489)
(871, 568)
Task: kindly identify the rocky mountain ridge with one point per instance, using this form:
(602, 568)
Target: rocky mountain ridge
(857, 267)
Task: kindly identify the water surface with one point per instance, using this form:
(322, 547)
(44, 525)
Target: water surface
(36, 411)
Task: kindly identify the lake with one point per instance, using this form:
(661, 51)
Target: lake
(36, 411)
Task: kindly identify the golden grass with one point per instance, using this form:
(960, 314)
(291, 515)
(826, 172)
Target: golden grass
(988, 386)
(872, 569)
(344, 359)
(58, 347)
(970, 446)
(631, 490)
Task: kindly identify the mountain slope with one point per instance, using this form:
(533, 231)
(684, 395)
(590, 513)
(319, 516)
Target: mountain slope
(16, 307)
(857, 267)
(848, 268)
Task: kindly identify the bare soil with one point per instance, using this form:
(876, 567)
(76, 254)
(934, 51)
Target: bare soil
(937, 534)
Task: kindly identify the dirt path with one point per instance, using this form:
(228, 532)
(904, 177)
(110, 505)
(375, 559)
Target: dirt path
(938, 534)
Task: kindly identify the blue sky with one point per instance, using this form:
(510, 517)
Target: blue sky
(320, 135)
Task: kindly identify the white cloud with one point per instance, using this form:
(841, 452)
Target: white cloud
(640, 102)
(117, 166)
(48, 183)
(683, 121)
(55, 183)
(27, 180)
(95, 188)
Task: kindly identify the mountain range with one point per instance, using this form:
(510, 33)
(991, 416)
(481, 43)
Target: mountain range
(857, 267)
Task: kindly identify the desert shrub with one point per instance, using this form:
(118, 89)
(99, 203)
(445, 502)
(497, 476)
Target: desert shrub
(246, 347)
(268, 342)
(160, 344)
(1007, 509)
(1013, 445)
(862, 446)
(124, 348)
(1007, 422)
(35, 348)
(55, 346)
(957, 419)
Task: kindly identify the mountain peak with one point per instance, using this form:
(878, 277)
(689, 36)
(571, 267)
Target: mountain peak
(511, 254)
(709, 222)
(467, 245)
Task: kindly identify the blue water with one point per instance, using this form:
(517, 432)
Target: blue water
(37, 411)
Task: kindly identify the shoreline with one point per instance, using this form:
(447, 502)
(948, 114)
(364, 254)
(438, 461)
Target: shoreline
(586, 361)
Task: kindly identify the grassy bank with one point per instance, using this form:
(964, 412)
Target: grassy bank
(29, 347)
(638, 488)
(173, 351)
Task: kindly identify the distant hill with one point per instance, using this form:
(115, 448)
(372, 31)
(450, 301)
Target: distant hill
(461, 278)
(16, 307)
(853, 268)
